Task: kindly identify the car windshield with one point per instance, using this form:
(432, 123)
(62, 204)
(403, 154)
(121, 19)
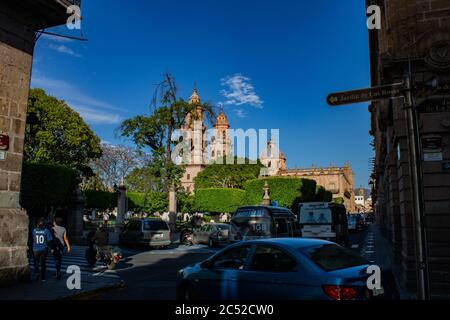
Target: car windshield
(332, 257)
(251, 222)
(315, 216)
(155, 225)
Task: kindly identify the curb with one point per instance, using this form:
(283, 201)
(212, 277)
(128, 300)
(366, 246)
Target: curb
(90, 293)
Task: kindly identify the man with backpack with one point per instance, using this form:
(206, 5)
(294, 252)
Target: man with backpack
(41, 241)
(60, 242)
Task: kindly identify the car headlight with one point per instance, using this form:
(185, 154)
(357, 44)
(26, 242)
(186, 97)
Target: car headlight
(180, 272)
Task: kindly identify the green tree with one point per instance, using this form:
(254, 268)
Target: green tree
(144, 180)
(227, 175)
(157, 130)
(60, 135)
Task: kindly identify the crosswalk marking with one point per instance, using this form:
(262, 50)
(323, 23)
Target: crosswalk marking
(75, 257)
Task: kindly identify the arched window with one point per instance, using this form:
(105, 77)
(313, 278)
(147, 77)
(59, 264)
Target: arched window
(270, 164)
(213, 153)
(188, 176)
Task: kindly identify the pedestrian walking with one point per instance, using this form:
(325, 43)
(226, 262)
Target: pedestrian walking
(41, 242)
(61, 242)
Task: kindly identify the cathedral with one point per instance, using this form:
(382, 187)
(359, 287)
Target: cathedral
(206, 147)
(209, 146)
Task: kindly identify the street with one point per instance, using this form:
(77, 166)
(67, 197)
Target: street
(150, 275)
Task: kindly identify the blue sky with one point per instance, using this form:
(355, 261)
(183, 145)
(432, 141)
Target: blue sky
(271, 63)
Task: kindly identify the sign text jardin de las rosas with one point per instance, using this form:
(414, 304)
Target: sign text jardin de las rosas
(363, 95)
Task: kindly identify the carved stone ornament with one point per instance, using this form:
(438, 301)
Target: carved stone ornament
(439, 55)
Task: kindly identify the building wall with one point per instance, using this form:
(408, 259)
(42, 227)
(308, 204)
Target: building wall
(335, 179)
(16, 54)
(418, 30)
(18, 22)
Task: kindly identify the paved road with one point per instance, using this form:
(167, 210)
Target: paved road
(151, 274)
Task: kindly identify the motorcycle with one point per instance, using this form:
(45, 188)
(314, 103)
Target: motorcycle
(187, 237)
(106, 255)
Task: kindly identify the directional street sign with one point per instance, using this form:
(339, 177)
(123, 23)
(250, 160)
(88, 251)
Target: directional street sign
(363, 95)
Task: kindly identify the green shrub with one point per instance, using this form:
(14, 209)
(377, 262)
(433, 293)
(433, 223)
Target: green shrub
(328, 196)
(339, 200)
(219, 200)
(46, 185)
(185, 202)
(288, 192)
(100, 200)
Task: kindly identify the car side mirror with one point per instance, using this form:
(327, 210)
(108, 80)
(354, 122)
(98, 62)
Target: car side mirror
(207, 264)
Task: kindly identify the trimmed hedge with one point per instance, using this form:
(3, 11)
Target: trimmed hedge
(46, 185)
(101, 200)
(219, 200)
(288, 192)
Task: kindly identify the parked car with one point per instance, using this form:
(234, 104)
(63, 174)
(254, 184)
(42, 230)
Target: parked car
(323, 220)
(212, 234)
(148, 232)
(282, 268)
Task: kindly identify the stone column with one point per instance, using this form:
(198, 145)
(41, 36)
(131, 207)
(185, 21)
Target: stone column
(121, 203)
(16, 55)
(75, 217)
(172, 207)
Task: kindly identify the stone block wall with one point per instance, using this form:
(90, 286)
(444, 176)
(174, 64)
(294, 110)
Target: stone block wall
(16, 54)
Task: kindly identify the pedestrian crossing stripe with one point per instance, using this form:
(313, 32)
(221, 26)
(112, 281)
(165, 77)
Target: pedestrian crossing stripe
(75, 257)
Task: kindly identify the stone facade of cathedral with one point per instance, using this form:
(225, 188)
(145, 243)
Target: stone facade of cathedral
(213, 146)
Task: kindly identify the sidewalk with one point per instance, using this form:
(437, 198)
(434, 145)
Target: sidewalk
(92, 280)
(378, 250)
(53, 289)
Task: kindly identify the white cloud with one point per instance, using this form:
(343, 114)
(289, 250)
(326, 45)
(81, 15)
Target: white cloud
(240, 91)
(94, 116)
(240, 113)
(92, 110)
(64, 49)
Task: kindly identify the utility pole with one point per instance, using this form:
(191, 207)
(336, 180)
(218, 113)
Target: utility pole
(415, 160)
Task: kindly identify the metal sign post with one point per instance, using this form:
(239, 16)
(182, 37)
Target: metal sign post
(398, 90)
(416, 180)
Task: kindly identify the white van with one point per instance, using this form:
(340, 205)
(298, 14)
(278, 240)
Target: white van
(324, 220)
